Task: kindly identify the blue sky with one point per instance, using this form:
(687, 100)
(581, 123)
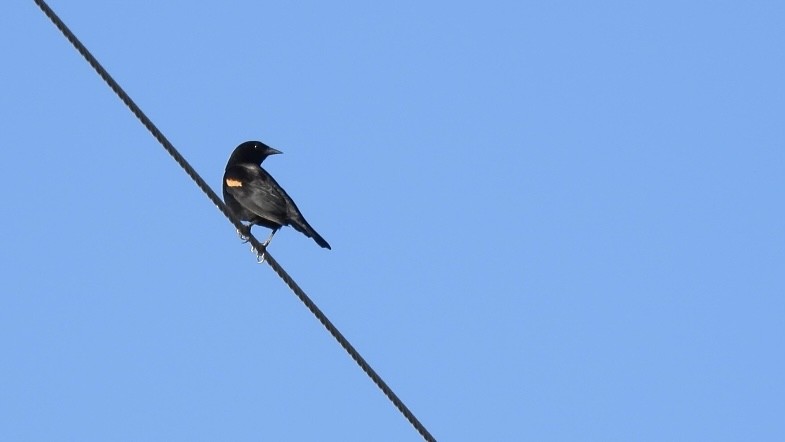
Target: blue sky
(550, 221)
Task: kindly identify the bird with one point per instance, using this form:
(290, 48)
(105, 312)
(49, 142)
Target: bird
(252, 194)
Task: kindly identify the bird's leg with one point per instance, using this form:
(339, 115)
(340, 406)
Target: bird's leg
(269, 238)
(260, 255)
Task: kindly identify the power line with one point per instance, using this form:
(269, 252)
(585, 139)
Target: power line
(222, 207)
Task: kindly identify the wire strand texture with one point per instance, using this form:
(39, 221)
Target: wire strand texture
(277, 268)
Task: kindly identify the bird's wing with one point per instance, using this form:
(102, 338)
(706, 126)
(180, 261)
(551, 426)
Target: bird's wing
(256, 190)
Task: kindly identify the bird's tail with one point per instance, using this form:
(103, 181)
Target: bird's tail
(302, 226)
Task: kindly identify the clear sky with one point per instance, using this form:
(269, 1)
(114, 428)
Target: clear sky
(554, 220)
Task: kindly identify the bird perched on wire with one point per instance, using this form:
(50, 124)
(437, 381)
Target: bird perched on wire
(254, 196)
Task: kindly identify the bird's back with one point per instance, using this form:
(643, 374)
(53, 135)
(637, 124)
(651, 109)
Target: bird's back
(264, 201)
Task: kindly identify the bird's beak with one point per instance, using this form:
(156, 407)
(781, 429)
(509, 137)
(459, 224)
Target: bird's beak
(271, 151)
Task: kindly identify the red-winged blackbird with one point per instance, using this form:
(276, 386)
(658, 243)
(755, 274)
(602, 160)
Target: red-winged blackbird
(254, 196)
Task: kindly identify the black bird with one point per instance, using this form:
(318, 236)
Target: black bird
(254, 196)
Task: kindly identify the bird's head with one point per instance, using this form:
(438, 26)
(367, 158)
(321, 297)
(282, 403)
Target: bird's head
(252, 152)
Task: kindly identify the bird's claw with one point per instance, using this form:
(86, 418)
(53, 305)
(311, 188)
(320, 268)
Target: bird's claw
(242, 236)
(260, 256)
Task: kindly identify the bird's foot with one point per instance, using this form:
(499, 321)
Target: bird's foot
(260, 256)
(243, 235)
